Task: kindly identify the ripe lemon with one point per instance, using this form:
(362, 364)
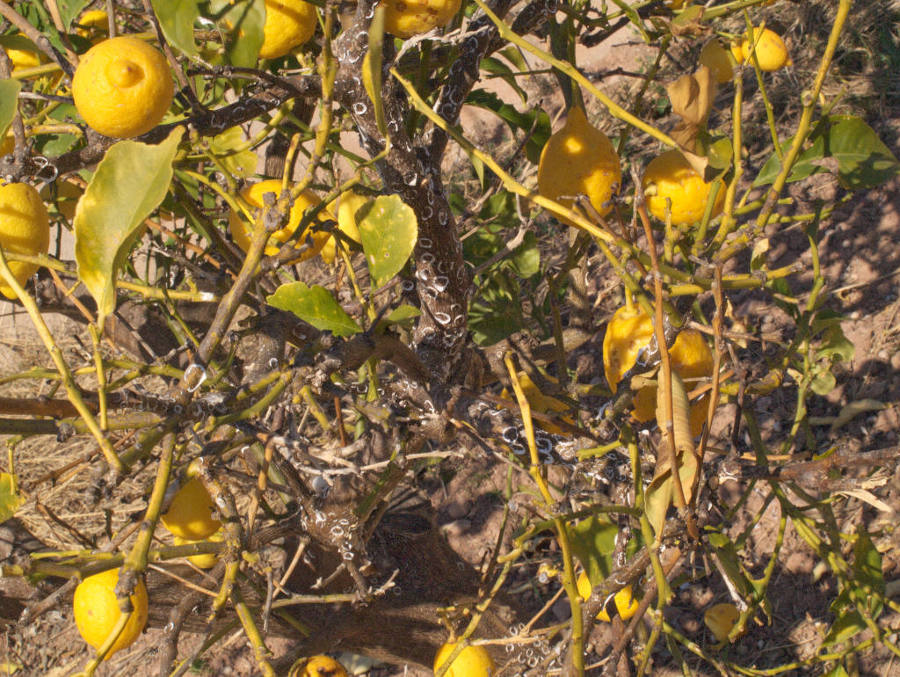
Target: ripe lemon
(322, 666)
(714, 57)
(579, 159)
(206, 560)
(406, 18)
(348, 206)
(289, 23)
(190, 515)
(626, 604)
(93, 23)
(122, 87)
(673, 178)
(253, 194)
(21, 57)
(472, 661)
(628, 332)
(24, 229)
(97, 610)
(720, 619)
(770, 50)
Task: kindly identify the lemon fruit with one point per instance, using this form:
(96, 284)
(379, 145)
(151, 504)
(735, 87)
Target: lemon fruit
(289, 24)
(206, 560)
(190, 515)
(7, 146)
(93, 23)
(97, 610)
(253, 195)
(122, 87)
(670, 177)
(579, 159)
(406, 18)
(24, 229)
(630, 331)
(720, 619)
(322, 666)
(472, 661)
(771, 53)
(624, 600)
(348, 206)
(715, 57)
(22, 57)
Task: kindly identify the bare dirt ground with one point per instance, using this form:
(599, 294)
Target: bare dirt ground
(860, 254)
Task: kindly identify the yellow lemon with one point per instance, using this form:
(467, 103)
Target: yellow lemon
(472, 661)
(626, 604)
(24, 229)
(253, 194)
(348, 206)
(7, 146)
(322, 666)
(720, 619)
(97, 610)
(628, 332)
(579, 159)
(190, 515)
(715, 57)
(206, 560)
(289, 24)
(771, 53)
(93, 23)
(672, 178)
(406, 18)
(122, 87)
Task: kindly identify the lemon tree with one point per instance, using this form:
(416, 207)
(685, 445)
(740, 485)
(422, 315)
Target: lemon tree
(122, 87)
(24, 229)
(97, 611)
(283, 445)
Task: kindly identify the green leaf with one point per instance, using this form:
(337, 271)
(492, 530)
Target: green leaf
(315, 305)
(176, 18)
(403, 314)
(10, 499)
(69, 9)
(844, 628)
(388, 230)
(526, 258)
(727, 555)
(593, 541)
(243, 23)
(496, 311)
(230, 147)
(840, 144)
(501, 70)
(130, 182)
(868, 576)
(823, 382)
(9, 91)
(838, 671)
(536, 120)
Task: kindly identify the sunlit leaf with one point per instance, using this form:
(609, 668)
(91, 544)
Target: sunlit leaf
(593, 541)
(315, 305)
(10, 499)
(230, 149)
(130, 182)
(176, 18)
(844, 628)
(69, 9)
(243, 20)
(388, 233)
(9, 90)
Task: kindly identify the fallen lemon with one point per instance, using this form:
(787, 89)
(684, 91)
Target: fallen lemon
(24, 229)
(253, 194)
(669, 178)
(406, 18)
(624, 600)
(289, 24)
(627, 334)
(579, 159)
(322, 666)
(190, 514)
(122, 87)
(771, 53)
(472, 661)
(720, 619)
(97, 611)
